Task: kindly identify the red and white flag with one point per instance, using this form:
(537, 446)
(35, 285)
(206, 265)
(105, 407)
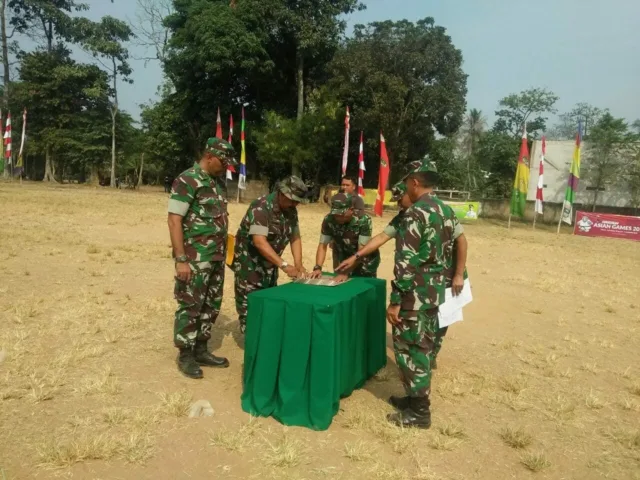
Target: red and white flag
(230, 169)
(218, 125)
(7, 140)
(361, 168)
(383, 179)
(539, 199)
(345, 153)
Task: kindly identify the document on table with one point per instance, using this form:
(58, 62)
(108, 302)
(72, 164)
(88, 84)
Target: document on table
(450, 311)
(322, 281)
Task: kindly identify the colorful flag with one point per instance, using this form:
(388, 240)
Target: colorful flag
(521, 182)
(230, 168)
(361, 168)
(383, 178)
(7, 140)
(19, 165)
(242, 178)
(574, 177)
(218, 125)
(539, 199)
(1, 136)
(345, 153)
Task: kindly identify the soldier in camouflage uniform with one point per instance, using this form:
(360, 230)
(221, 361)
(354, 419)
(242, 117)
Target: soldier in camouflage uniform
(455, 271)
(270, 224)
(456, 253)
(349, 231)
(198, 225)
(398, 194)
(417, 292)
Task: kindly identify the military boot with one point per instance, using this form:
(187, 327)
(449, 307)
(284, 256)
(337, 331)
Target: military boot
(417, 415)
(206, 359)
(434, 364)
(399, 403)
(187, 364)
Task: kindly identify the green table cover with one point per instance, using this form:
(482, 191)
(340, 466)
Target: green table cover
(307, 346)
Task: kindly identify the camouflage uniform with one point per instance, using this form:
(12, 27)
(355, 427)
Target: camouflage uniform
(349, 236)
(199, 199)
(455, 229)
(264, 217)
(419, 289)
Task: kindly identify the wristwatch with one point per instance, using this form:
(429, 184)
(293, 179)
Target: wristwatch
(358, 256)
(317, 267)
(182, 259)
(283, 265)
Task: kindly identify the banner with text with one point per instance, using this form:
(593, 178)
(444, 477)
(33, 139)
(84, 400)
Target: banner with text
(607, 225)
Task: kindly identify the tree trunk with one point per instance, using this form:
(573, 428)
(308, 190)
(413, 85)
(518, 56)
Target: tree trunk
(295, 169)
(141, 167)
(595, 199)
(49, 173)
(114, 112)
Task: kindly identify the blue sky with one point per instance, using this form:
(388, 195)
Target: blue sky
(583, 50)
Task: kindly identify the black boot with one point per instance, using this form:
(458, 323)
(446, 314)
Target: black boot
(187, 364)
(205, 358)
(399, 403)
(417, 415)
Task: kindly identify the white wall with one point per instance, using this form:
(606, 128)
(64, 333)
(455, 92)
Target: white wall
(556, 173)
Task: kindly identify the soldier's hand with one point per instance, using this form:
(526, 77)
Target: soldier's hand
(291, 271)
(393, 314)
(302, 272)
(183, 272)
(347, 264)
(341, 278)
(456, 285)
(315, 274)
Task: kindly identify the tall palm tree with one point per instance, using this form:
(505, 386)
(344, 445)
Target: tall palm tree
(472, 129)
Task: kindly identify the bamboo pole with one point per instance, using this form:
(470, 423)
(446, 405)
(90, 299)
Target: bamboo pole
(560, 220)
(535, 216)
(509, 224)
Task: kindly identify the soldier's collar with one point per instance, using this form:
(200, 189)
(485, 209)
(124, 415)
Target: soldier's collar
(276, 204)
(200, 171)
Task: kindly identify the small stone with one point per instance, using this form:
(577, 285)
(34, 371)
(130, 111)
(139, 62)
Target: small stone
(201, 408)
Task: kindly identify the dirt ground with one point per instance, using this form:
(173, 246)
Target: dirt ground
(541, 380)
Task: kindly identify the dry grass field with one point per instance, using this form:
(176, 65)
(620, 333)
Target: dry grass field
(541, 380)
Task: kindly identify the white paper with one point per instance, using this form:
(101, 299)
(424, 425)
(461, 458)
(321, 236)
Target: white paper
(450, 311)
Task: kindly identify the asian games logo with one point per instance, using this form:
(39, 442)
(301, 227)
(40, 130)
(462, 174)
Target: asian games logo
(585, 224)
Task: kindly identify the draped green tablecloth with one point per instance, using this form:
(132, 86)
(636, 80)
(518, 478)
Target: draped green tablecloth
(307, 346)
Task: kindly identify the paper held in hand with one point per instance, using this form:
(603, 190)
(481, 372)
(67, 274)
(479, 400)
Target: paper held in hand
(450, 311)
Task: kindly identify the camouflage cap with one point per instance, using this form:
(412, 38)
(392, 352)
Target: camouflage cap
(340, 203)
(421, 166)
(398, 191)
(221, 149)
(294, 189)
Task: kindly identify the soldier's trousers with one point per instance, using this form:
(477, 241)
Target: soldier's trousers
(199, 303)
(244, 287)
(414, 345)
(440, 334)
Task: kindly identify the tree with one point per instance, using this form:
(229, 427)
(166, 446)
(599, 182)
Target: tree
(633, 177)
(310, 144)
(106, 41)
(150, 29)
(497, 157)
(583, 113)
(49, 22)
(66, 101)
(314, 25)
(608, 153)
(471, 133)
(405, 79)
(518, 108)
